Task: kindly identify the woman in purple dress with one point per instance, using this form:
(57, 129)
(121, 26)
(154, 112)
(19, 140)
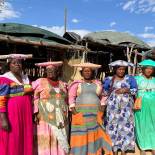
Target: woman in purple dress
(120, 119)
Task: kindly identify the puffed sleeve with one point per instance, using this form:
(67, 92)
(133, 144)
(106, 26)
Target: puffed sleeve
(35, 86)
(72, 94)
(100, 92)
(133, 85)
(4, 93)
(106, 85)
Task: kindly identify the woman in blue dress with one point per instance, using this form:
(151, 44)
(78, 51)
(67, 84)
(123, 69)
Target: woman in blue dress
(120, 117)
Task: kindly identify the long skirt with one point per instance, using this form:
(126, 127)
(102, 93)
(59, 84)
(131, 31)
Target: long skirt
(145, 123)
(45, 141)
(19, 140)
(87, 135)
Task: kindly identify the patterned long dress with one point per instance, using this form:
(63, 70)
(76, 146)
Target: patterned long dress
(145, 118)
(87, 132)
(120, 116)
(50, 104)
(18, 107)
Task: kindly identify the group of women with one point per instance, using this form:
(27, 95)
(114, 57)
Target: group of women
(86, 117)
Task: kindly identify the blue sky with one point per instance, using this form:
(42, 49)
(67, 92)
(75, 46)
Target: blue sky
(133, 16)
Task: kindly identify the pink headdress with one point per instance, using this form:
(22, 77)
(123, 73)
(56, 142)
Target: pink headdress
(50, 64)
(88, 65)
(16, 56)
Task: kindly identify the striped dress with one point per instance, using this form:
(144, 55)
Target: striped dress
(87, 132)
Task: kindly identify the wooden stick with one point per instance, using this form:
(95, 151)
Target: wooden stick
(135, 62)
(16, 40)
(28, 56)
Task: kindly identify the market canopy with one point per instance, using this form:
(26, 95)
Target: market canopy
(27, 34)
(150, 53)
(30, 32)
(113, 38)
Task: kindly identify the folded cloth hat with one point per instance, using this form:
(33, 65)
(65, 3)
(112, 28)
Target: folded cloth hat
(50, 64)
(16, 56)
(121, 63)
(147, 62)
(87, 64)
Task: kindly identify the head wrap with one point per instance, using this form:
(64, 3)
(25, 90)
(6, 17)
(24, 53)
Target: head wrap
(121, 63)
(147, 62)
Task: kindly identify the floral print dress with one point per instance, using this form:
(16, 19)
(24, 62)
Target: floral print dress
(119, 116)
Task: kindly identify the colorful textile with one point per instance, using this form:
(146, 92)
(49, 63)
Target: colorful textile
(14, 101)
(119, 116)
(87, 131)
(145, 118)
(50, 104)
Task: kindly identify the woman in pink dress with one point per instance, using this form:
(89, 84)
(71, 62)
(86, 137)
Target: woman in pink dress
(50, 111)
(16, 133)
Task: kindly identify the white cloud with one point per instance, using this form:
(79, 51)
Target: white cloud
(147, 35)
(60, 30)
(55, 29)
(149, 38)
(81, 32)
(7, 11)
(148, 28)
(139, 6)
(75, 20)
(129, 5)
(151, 43)
(112, 24)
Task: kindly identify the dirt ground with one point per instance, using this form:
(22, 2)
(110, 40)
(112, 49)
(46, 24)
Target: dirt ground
(137, 152)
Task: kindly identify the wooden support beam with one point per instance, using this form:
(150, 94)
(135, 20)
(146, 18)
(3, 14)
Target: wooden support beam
(60, 46)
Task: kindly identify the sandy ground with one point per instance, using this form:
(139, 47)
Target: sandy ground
(137, 152)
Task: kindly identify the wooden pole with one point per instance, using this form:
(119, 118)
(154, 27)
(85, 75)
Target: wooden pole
(135, 62)
(65, 21)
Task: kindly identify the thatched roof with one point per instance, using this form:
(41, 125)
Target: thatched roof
(111, 38)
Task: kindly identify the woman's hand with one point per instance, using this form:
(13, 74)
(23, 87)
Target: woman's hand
(5, 123)
(122, 90)
(36, 118)
(73, 110)
(102, 108)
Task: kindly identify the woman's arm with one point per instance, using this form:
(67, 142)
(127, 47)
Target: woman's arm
(36, 96)
(72, 94)
(4, 92)
(133, 85)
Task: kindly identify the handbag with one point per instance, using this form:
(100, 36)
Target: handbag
(77, 119)
(138, 103)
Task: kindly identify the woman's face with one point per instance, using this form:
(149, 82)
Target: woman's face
(15, 66)
(52, 73)
(148, 71)
(87, 73)
(120, 71)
